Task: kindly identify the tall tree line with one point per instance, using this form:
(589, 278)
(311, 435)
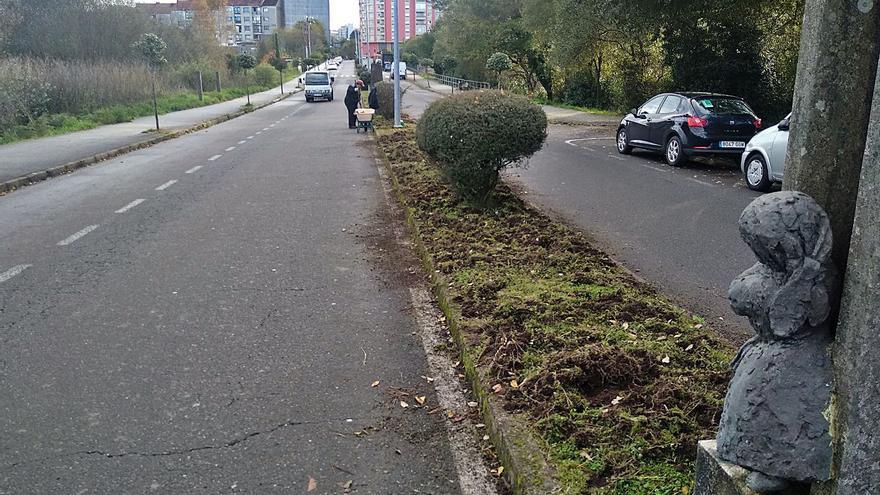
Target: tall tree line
(614, 54)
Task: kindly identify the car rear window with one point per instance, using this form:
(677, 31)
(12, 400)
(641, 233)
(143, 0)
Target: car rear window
(317, 79)
(722, 106)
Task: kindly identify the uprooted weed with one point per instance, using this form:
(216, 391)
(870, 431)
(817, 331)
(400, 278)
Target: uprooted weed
(619, 382)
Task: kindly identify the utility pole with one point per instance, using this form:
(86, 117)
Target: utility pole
(395, 72)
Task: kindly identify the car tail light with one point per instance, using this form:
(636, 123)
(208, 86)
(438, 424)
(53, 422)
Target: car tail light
(757, 123)
(697, 121)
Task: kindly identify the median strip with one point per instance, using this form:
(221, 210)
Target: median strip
(588, 379)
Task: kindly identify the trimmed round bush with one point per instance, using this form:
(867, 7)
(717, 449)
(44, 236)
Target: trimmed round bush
(474, 135)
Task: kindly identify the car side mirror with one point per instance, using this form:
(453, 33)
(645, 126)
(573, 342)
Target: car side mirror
(634, 112)
(784, 125)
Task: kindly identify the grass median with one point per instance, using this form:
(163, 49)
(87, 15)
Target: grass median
(616, 382)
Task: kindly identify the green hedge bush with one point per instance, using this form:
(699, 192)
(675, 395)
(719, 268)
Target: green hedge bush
(265, 75)
(474, 135)
(385, 93)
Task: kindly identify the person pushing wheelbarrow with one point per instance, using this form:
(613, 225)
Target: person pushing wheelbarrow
(352, 100)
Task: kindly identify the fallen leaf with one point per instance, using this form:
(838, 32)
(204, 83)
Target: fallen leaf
(616, 400)
(473, 404)
(421, 399)
(455, 364)
(485, 438)
(498, 388)
(375, 384)
(347, 484)
(313, 484)
(480, 425)
(514, 384)
(404, 404)
(499, 471)
(625, 326)
(429, 379)
(665, 360)
(698, 326)
(398, 452)
(689, 347)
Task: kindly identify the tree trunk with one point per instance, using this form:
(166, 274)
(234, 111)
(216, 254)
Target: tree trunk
(840, 43)
(155, 103)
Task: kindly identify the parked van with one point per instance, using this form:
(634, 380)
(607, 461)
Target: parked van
(318, 86)
(401, 71)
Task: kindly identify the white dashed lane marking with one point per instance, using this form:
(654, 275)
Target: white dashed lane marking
(230, 148)
(242, 141)
(265, 128)
(15, 270)
(250, 137)
(259, 132)
(166, 185)
(130, 205)
(194, 169)
(77, 236)
(214, 158)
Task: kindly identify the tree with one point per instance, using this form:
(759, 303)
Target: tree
(498, 63)
(247, 61)
(152, 50)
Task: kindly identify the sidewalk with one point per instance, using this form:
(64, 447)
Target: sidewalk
(554, 114)
(38, 155)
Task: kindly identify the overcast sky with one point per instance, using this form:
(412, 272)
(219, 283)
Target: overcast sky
(342, 12)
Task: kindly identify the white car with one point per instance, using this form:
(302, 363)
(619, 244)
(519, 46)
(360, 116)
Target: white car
(318, 86)
(763, 161)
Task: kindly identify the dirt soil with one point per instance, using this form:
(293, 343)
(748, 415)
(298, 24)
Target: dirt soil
(619, 382)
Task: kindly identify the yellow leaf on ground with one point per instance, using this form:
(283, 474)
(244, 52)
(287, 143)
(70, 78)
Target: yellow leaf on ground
(313, 484)
(421, 399)
(375, 384)
(404, 404)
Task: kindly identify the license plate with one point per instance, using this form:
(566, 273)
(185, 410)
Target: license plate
(733, 144)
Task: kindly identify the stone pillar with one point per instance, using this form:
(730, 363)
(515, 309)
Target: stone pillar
(857, 354)
(840, 43)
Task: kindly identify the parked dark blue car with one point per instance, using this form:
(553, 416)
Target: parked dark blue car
(682, 125)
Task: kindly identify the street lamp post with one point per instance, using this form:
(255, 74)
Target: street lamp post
(396, 70)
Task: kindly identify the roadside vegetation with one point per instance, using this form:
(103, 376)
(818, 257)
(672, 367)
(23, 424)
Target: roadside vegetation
(70, 65)
(618, 383)
(613, 55)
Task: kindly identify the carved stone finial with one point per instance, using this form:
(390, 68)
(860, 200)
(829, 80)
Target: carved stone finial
(774, 413)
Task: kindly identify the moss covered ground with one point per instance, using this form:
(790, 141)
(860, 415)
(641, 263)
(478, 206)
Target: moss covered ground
(619, 383)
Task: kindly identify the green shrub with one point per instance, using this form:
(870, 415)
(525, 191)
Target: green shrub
(265, 75)
(474, 135)
(385, 93)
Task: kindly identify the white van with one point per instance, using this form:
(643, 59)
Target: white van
(318, 86)
(401, 71)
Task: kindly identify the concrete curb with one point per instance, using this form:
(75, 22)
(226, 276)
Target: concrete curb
(526, 467)
(34, 177)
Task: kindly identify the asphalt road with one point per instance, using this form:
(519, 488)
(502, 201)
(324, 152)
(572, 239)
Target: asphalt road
(676, 228)
(208, 315)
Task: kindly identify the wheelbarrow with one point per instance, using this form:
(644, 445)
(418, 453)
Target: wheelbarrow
(365, 119)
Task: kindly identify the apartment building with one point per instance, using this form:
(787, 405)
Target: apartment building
(295, 11)
(415, 17)
(243, 22)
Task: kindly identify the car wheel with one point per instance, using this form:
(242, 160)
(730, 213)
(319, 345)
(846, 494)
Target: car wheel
(309, 100)
(674, 152)
(756, 174)
(623, 146)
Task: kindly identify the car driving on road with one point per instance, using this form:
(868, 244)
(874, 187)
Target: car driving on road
(683, 125)
(763, 162)
(318, 86)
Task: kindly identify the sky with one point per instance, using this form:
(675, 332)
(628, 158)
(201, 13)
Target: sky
(342, 12)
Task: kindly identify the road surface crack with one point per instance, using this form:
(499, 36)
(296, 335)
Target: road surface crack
(226, 445)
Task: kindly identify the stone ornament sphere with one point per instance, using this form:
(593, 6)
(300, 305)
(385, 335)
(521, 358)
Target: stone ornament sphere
(774, 421)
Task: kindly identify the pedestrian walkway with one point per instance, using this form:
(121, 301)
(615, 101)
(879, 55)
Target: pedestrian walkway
(555, 115)
(36, 155)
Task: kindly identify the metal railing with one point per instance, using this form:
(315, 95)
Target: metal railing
(457, 83)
